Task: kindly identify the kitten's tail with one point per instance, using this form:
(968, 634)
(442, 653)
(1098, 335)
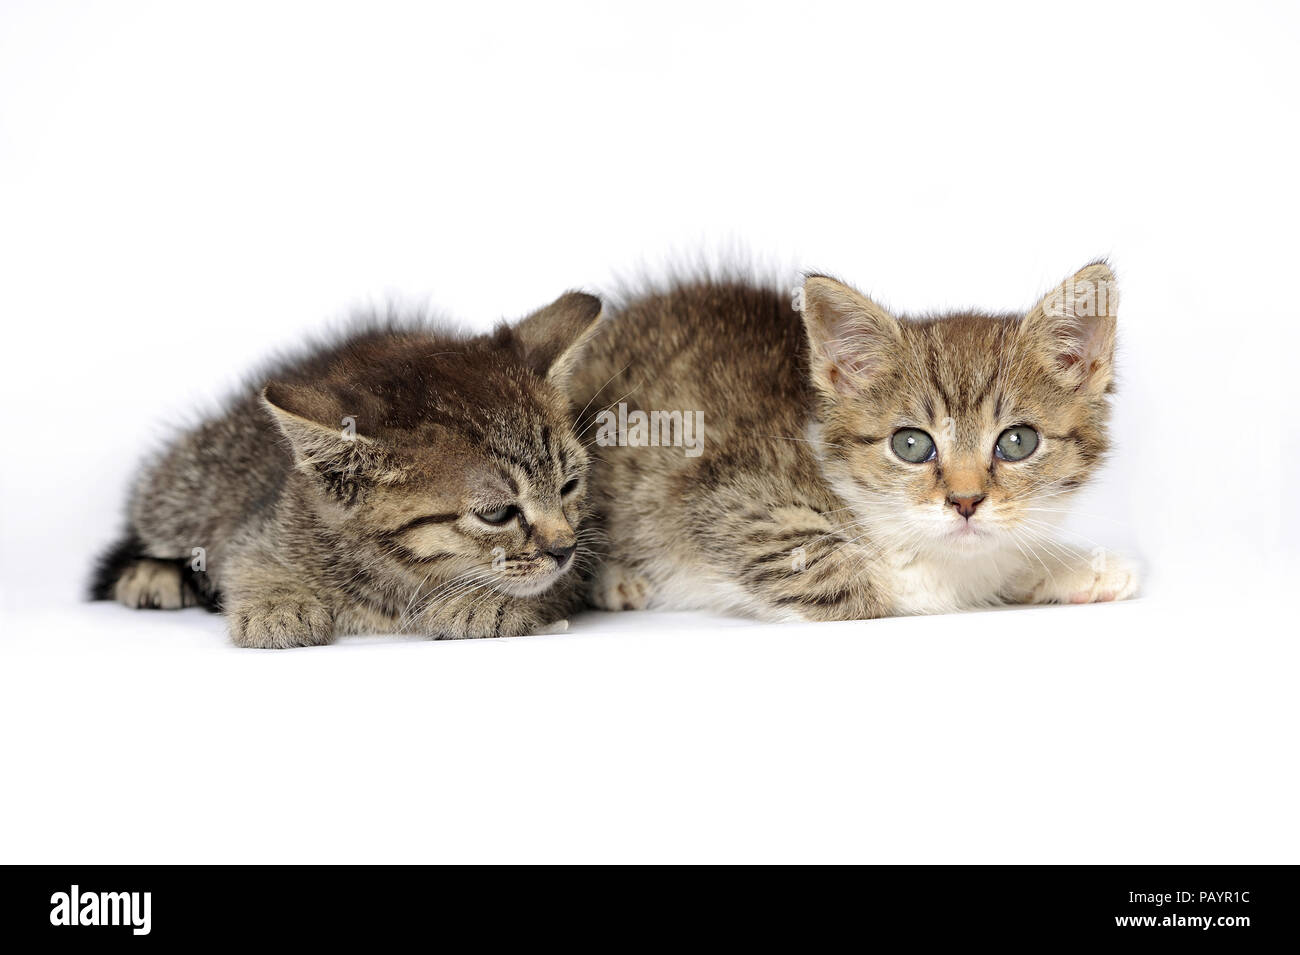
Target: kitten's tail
(126, 573)
(112, 564)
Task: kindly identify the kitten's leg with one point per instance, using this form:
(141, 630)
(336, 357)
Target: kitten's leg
(490, 613)
(1082, 578)
(154, 585)
(271, 602)
(495, 615)
(278, 619)
(794, 564)
(618, 587)
(527, 619)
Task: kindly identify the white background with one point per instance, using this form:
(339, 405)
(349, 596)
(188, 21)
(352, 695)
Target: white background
(184, 187)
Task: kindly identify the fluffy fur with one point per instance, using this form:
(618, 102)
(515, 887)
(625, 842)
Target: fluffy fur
(405, 479)
(799, 507)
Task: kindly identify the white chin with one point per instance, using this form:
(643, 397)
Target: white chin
(970, 536)
(532, 586)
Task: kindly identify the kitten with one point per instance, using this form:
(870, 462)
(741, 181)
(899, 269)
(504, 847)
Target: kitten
(403, 480)
(854, 464)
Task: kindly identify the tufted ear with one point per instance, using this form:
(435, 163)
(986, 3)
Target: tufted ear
(850, 337)
(552, 338)
(325, 441)
(1074, 324)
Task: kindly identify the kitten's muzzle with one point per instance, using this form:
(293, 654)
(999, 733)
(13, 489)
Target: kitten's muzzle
(561, 552)
(555, 539)
(966, 503)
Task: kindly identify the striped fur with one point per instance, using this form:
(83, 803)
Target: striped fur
(344, 491)
(798, 508)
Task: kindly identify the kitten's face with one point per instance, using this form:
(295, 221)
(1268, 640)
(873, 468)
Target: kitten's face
(464, 466)
(962, 434)
(504, 511)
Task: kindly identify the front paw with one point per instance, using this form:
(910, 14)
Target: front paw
(1102, 576)
(619, 587)
(281, 622)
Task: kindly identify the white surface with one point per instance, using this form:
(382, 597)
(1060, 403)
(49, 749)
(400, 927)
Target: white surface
(1150, 731)
(183, 189)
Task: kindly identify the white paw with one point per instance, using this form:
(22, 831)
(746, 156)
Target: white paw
(617, 587)
(1102, 576)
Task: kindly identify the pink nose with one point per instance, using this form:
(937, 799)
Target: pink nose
(965, 503)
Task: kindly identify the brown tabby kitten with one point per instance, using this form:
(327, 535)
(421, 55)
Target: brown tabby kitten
(404, 480)
(853, 464)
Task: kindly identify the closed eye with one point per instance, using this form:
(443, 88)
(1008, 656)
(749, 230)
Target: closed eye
(498, 516)
(570, 487)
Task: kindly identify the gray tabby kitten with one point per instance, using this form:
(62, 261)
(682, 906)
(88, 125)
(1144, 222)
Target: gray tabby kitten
(853, 464)
(403, 480)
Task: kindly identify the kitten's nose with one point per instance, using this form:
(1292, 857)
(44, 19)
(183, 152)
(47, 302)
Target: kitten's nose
(965, 503)
(561, 552)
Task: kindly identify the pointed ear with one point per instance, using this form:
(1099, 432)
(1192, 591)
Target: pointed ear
(1075, 323)
(553, 337)
(850, 337)
(325, 442)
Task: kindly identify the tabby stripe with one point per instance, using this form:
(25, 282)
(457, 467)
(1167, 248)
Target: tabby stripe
(984, 392)
(761, 538)
(938, 386)
(767, 576)
(528, 467)
(817, 600)
(375, 603)
(426, 519)
(755, 562)
(414, 558)
(773, 573)
(1068, 436)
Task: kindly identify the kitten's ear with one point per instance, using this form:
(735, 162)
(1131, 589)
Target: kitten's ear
(553, 337)
(302, 411)
(850, 337)
(325, 442)
(1075, 324)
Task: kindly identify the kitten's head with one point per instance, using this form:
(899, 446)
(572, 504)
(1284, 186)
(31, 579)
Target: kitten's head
(451, 457)
(966, 432)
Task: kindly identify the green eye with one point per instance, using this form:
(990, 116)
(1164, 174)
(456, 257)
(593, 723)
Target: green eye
(496, 517)
(913, 445)
(1016, 444)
